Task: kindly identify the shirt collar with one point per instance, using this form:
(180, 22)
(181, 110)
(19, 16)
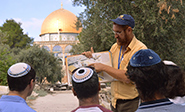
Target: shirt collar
(12, 98)
(132, 43)
(155, 103)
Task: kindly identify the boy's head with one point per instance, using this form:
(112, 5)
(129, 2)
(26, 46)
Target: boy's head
(19, 75)
(147, 71)
(176, 83)
(85, 82)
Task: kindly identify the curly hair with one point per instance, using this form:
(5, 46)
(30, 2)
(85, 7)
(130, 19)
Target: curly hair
(148, 80)
(176, 82)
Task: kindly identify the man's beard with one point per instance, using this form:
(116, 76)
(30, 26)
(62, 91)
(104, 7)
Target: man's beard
(122, 41)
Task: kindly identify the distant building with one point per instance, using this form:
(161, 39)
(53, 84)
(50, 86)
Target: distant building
(58, 33)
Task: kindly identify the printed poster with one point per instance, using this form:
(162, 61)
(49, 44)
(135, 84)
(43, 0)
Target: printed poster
(75, 61)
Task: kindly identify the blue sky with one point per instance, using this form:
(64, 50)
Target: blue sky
(31, 13)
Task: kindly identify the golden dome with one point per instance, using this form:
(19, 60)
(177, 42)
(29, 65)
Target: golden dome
(60, 19)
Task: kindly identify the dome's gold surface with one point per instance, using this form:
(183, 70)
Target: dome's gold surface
(60, 19)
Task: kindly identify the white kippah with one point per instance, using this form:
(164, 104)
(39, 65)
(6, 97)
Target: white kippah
(166, 62)
(19, 70)
(82, 74)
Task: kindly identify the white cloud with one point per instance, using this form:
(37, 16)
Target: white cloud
(32, 27)
(33, 23)
(1, 22)
(67, 1)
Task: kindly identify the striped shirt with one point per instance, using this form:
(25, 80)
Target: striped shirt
(162, 105)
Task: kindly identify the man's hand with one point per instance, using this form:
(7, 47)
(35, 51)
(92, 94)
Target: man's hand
(115, 73)
(97, 66)
(88, 54)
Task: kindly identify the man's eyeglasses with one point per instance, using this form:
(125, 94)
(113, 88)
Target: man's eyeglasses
(117, 33)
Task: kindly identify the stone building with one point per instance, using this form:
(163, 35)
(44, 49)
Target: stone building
(58, 33)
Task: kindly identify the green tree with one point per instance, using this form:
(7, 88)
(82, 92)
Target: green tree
(97, 27)
(6, 60)
(15, 37)
(179, 59)
(3, 37)
(45, 64)
(159, 24)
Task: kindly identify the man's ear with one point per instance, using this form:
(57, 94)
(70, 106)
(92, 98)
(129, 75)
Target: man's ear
(74, 93)
(31, 85)
(99, 88)
(129, 29)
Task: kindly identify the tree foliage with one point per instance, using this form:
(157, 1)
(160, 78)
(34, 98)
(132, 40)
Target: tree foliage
(6, 60)
(160, 24)
(15, 36)
(12, 49)
(3, 38)
(45, 64)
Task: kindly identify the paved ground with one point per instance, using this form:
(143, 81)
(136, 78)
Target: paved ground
(61, 101)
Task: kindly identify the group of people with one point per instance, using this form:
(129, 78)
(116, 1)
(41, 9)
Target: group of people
(144, 82)
(142, 77)
(156, 81)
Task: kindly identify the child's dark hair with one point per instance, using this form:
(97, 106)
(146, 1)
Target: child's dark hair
(87, 88)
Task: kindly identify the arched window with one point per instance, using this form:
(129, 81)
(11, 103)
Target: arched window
(68, 48)
(46, 47)
(57, 48)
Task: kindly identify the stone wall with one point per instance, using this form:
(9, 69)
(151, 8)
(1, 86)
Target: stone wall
(4, 90)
